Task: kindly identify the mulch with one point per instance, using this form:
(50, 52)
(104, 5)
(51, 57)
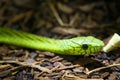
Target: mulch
(60, 19)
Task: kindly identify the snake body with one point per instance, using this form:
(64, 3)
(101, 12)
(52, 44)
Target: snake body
(73, 46)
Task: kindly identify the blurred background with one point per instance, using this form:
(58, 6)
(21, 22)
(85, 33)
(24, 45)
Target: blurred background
(62, 17)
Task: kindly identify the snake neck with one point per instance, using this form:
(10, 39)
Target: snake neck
(27, 40)
(47, 44)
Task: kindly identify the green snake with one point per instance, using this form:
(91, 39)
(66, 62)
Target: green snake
(73, 46)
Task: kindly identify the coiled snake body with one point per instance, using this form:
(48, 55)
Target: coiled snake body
(74, 46)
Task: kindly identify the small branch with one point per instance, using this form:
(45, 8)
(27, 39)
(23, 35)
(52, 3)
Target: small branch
(73, 77)
(72, 21)
(98, 69)
(28, 65)
(57, 15)
(68, 67)
(4, 66)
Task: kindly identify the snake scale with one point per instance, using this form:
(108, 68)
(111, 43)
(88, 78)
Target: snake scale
(73, 46)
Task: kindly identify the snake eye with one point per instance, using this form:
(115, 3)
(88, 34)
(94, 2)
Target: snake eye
(85, 46)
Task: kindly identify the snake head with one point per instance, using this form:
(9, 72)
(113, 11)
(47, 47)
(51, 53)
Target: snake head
(84, 45)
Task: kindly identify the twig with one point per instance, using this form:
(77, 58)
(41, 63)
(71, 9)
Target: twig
(98, 69)
(28, 65)
(67, 76)
(57, 15)
(68, 67)
(4, 66)
(72, 21)
(60, 21)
